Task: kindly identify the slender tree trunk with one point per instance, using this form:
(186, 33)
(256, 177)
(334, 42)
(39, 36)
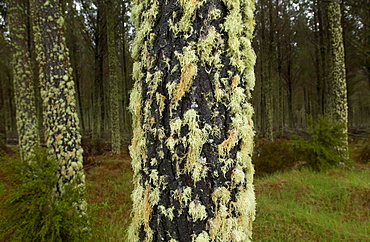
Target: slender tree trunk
(193, 132)
(27, 123)
(2, 119)
(98, 103)
(58, 94)
(339, 87)
(113, 83)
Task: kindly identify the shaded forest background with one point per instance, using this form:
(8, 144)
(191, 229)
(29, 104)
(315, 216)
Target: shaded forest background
(293, 80)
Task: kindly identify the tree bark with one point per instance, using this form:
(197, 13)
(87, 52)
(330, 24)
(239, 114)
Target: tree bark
(193, 132)
(58, 94)
(27, 122)
(2, 119)
(113, 83)
(339, 87)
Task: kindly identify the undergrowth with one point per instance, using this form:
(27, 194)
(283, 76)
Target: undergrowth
(326, 146)
(296, 205)
(30, 212)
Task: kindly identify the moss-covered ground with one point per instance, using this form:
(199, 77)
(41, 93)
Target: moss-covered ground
(297, 205)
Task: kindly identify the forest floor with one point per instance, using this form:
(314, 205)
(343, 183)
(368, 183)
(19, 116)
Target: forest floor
(297, 205)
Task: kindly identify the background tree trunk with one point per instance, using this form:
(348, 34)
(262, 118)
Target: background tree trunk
(2, 119)
(113, 82)
(340, 106)
(193, 133)
(58, 94)
(27, 123)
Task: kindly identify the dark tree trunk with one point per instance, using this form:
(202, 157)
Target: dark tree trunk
(193, 133)
(2, 119)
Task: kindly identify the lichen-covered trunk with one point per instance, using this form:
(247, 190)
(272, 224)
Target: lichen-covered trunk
(339, 87)
(24, 95)
(2, 119)
(193, 132)
(113, 83)
(58, 94)
(98, 98)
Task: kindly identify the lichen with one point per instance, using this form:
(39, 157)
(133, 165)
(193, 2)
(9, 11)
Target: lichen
(195, 140)
(184, 26)
(188, 62)
(202, 237)
(197, 211)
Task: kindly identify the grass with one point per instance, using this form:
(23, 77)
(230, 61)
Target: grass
(292, 206)
(108, 179)
(308, 206)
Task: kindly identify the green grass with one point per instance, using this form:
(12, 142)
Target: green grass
(308, 206)
(291, 206)
(109, 187)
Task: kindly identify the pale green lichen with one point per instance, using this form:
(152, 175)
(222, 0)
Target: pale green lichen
(202, 237)
(197, 211)
(195, 140)
(153, 81)
(209, 48)
(188, 61)
(183, 196)
(168, 212)
(148, 12)
(184, 26)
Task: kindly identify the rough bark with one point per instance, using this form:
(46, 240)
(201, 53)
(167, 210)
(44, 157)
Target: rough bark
(98, 99)
(113, 83)
(193, 132)
(2, 119)
(339, 87)
(58, 94)
(27, 122)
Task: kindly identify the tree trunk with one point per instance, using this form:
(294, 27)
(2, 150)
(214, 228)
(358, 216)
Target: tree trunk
(98, 102)
(27, 123)
(113, 83)
(2, 119)
(193, 132)
(339, 87)
(58, 94)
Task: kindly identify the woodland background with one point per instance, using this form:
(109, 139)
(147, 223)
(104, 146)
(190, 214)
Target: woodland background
(293, 81)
